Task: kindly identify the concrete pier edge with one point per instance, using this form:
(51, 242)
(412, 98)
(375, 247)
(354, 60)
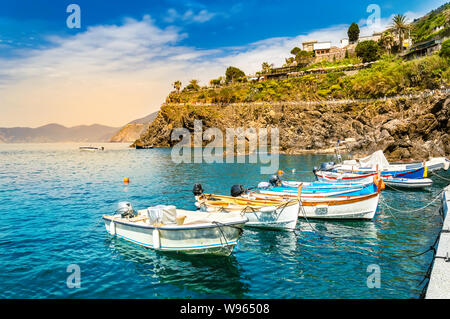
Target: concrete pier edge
(439, 284)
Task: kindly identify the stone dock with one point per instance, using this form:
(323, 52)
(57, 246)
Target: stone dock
(439, 285)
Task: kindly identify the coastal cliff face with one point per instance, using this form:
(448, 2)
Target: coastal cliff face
(129, 133)
(133, 130)
(404, 128)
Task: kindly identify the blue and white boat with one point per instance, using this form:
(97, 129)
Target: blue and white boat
(315, 189)
(370, 164)
(340, 176)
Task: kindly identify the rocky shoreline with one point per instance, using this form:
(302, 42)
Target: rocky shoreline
(404, 128)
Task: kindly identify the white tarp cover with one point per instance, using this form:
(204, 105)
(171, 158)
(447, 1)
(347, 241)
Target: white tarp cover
(371, 161)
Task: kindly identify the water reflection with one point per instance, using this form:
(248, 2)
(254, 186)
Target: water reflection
(268, 241)
(215, 276)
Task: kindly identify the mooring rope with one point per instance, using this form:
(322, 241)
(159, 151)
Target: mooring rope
(445, 179)
(396, 189)
(413, 210)
(300, 207)
(389, 212)
(431, 248)
(223, 235)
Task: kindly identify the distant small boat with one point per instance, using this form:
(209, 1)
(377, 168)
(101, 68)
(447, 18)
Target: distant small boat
(141, 147)
(407, 182)
(91, 148)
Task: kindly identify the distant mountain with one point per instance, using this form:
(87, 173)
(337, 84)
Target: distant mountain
(133, 130)
(145, 120)
(52, 133)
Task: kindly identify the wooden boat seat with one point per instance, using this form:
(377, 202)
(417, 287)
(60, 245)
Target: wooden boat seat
(193, 218)
(138, 219)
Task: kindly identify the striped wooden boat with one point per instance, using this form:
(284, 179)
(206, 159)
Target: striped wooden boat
(320, 207)
(261, 213)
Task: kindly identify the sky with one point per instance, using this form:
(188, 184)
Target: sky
(119, 65)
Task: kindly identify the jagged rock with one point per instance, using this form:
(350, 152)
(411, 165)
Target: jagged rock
(402, 128)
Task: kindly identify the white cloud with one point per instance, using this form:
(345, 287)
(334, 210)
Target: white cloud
(189, 16)
(112, 74)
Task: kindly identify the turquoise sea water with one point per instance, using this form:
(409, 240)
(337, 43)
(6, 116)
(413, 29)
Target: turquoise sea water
(52, 198)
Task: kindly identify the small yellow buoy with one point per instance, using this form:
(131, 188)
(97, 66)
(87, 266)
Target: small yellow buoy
(126, 180)
(280, 173)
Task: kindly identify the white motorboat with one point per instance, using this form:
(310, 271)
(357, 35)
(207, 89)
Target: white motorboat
(91, 148)
(370, 163)
(166, 228)
(407, 182)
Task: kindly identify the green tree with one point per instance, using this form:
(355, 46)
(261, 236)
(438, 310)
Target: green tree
(303, 58)
(232, 74)
(216, 82)
(445, 49)
(289, 61)
(401, 27)
(177, 86)
(192, 86)
(387, 41)
(295, 51)
(368, 51)
(353, 33)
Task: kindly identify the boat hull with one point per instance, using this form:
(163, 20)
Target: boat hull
(212, 239)
(346, 177)
(408, 183)
(350, 189)
(345, 207)
(350, 209)
(275, 215)
(278, 219)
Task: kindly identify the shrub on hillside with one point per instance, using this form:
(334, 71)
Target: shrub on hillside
(368, 51)
(233, 74)
(445, 50)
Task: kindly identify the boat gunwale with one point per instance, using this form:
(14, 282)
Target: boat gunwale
(175, 227)
(288, 202)
(361, 176)
(334, 202)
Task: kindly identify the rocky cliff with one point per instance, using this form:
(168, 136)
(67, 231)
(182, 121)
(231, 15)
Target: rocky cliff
(129, 133)
(133, 130)
(413, 127)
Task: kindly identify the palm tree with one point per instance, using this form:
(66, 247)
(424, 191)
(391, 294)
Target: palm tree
(387, 41)
(177, 86)
(289, 61)
(194, 84)
(400, 26)
(266, 67)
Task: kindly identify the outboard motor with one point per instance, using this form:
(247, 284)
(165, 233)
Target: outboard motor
(263, 185)
(327, 166)
(275, 180)
(197, 190)
(125, 209)
(237, 190)
(315, 169)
